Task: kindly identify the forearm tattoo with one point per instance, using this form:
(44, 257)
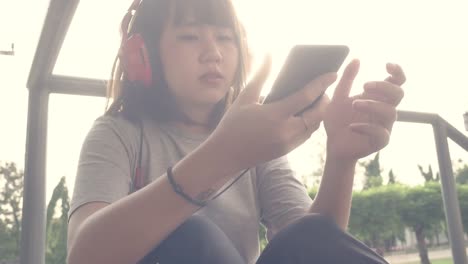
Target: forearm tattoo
(204, 196)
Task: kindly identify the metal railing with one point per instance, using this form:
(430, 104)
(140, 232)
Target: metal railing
(10, 52)
(442, 131)
(465, 117)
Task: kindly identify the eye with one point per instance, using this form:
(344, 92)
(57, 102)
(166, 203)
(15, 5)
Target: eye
(187, 37)
(225, 37)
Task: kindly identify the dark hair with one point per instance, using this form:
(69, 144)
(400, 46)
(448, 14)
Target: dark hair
(150, 19)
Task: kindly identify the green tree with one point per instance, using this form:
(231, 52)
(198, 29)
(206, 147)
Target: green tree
(313, 192)
(429, 175)
(11, 193)
(462, 191)
(391, 177)
(263, 238)
(375, 215)
(56, 251)
(8, 246)
(423, 212)
(372, 172)
(461, 175)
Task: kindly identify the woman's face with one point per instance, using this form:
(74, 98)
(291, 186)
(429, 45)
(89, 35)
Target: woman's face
(199, 62)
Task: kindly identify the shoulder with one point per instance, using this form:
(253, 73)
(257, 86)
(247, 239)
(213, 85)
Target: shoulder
(110, 132)
(116, 123)
(281, 163)
(110, 129)
(106, 126)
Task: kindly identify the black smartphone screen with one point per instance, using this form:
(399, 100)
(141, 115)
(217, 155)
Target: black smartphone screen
(303, 64)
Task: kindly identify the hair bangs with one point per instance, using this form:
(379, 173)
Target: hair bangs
(204, 12)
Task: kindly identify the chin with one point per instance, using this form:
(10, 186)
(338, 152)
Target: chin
(212, 102)
(213, 97)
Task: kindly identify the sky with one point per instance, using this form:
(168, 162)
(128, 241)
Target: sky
(427, 38)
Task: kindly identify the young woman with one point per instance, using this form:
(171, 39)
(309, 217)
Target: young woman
(186, 162)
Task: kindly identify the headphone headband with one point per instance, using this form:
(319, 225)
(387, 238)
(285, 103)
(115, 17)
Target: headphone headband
(127, 19)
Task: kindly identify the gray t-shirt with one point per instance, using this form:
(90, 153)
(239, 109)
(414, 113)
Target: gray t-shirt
(268, 193)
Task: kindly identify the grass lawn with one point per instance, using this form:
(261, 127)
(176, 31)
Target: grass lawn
(438, 261)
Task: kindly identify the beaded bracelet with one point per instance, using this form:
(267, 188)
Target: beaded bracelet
(178, 189)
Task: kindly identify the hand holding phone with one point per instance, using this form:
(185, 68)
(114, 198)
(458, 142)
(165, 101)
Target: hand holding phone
(303, 64)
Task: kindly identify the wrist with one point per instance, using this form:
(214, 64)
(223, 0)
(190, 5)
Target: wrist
(335, 158)
(201, 173)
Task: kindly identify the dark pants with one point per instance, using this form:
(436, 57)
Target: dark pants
(312, 239)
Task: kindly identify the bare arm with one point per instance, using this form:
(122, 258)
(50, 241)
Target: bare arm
(356, 127)
(334, 196)
(125, 231)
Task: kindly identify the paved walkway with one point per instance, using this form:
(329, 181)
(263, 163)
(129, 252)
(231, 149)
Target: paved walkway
(414, 257)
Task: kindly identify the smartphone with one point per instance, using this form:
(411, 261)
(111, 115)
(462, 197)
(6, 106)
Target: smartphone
(303, 64)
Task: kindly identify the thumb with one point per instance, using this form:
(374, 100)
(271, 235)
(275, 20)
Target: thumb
(251, 92)
(343, 88)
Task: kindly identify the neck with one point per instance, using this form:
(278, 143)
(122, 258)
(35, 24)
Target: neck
(195, 119)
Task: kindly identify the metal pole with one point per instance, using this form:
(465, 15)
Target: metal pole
(465, 117)
(33, 235)
(449, 194)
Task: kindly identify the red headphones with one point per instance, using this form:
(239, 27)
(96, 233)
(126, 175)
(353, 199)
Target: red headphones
(133, 53)
(136, 65)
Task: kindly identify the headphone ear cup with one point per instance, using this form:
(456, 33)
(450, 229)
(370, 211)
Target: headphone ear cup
(135, 60)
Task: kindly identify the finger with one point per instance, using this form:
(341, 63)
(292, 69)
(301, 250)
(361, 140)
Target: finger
(378, 136)
(346, 82)
(302, 127)
(384, 91)
(320, 103)
(251, 92)
(314, 115)
(312, 118)
(381, 113)
(310, 121)
(303, 98)
(397, 76)
(298, 134)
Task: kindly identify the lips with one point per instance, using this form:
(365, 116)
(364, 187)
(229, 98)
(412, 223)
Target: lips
(212, 77)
